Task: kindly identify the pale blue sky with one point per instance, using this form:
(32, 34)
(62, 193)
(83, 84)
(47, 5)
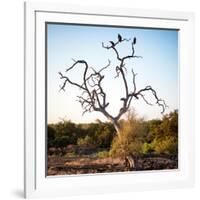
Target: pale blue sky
(158, 68)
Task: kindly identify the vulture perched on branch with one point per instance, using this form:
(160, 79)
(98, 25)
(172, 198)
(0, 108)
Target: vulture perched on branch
(134, 40)
(119, 38)
(112, 43)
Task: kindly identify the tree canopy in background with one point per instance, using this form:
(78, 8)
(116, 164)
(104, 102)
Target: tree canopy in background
(138, 136)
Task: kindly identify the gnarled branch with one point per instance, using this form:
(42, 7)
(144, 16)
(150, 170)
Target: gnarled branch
(93, 96)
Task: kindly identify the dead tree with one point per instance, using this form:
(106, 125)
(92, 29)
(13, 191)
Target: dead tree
(93, 96)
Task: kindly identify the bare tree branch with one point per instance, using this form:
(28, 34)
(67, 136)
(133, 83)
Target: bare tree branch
(93, 96)
(120, 70)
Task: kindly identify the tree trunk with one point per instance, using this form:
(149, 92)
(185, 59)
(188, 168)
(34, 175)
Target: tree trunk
(117, 127)
(131, 162)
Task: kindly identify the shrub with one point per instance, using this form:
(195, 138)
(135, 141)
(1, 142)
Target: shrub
(51, 132)
(62, 141)
(131, 138)
(86, 141)
(103, 154)
(163, 135)
(168, 145)
(104, 135)
(148, 148)
(71, 154)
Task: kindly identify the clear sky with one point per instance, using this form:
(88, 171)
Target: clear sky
(158, 67)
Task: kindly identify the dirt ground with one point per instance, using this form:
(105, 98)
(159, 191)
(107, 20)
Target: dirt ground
(61, 165)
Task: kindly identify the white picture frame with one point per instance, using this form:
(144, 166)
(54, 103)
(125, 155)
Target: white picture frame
(36, 184)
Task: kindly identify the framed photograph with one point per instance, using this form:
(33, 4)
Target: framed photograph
(109, 100)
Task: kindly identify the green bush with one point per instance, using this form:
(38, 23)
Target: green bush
(131, 138)
(103, 154)
(168, 145)
(71, 154)
(148, 148)
(136, 135)
(87, 141)
(51, 136)
(163, 135)
(104, 135)
(62, 141)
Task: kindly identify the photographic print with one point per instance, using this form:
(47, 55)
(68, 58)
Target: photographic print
(112, 99)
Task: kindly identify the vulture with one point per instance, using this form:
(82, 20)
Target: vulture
(119, 38)
(134, 40)
(112, 43)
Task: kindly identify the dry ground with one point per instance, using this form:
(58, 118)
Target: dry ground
(61, 165)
